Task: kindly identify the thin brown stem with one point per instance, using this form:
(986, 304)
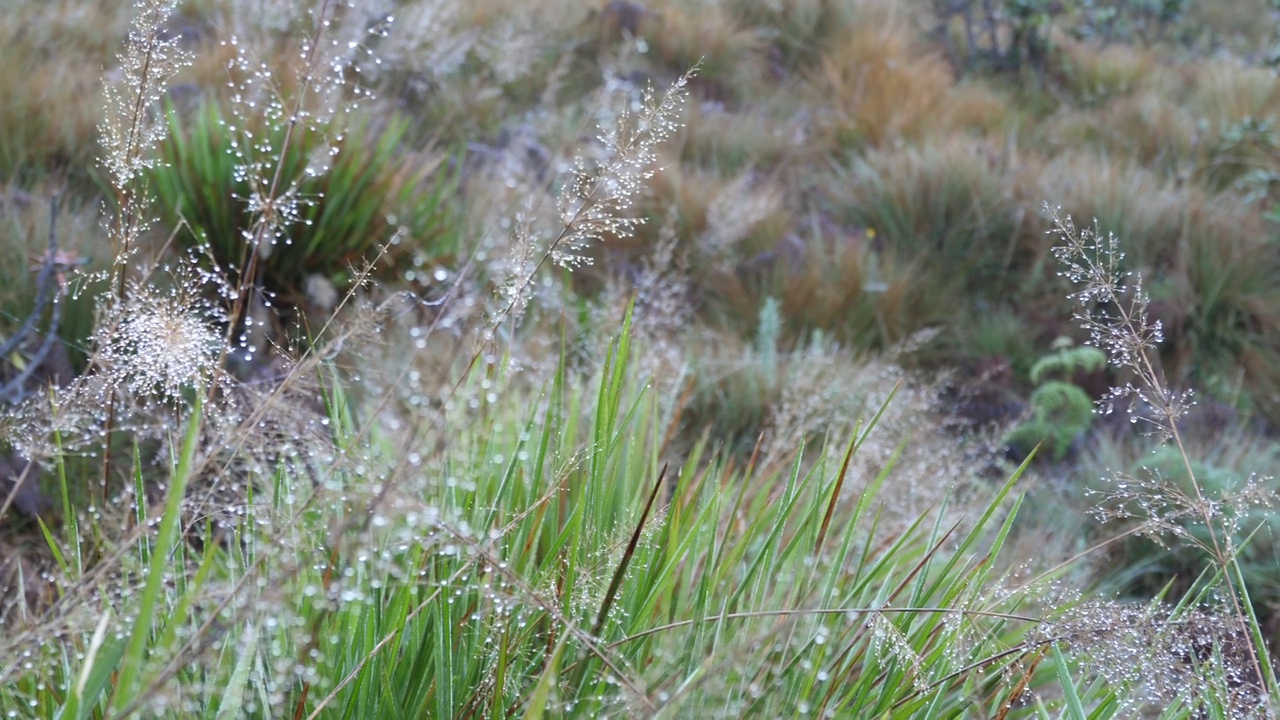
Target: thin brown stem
(247, 280)
(127, 199)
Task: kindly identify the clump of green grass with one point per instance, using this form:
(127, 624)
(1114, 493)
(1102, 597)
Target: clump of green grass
(834, 283)
(1215, 290)
(878, 84)
(371, 190)
(798, 33)
(947, 208)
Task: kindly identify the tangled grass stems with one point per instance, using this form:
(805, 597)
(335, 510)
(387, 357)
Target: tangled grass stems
(579, 225)
(273, 206)
(149, 341)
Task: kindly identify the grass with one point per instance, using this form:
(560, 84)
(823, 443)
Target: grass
(942, 206)
(49, 94)
(518, 568)
(373, 189)
(879, 85)
(751, 462)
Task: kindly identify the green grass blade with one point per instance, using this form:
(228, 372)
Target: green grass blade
(131, 666)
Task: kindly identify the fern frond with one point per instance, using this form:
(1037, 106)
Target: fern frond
(1063, 404)
(1066, 361)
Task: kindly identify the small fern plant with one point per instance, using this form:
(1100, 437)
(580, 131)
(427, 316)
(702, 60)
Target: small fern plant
(1060, 409)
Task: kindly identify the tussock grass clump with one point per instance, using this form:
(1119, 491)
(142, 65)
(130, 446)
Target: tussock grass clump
(734, 142)
(1204, 122)
(1102, 75)
(1225, 93)
(729, 55)
(53, 56)
(1213, 273)
(947, 208)
(372, 189)
(1143, 126)
(1161, 214)
(835, 283)
(722, 221)
(1222, 311)
(797, 32)
(877, 83)
(1001, 335)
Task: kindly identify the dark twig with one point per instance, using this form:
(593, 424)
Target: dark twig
(13, 390)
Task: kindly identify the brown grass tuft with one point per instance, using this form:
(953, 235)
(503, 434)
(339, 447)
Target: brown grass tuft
(878, 83)
(52, 55)
(729, 56)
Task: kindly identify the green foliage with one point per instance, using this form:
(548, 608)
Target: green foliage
(1061, 411)
(995, 332)
(731, 401)
(372, 189)
(1246, 151)
(1224, 333)
(841, 287)
(507, 580)
(1010, 35)
(1126, 20)
(1067, 360)
(799, 30)
(547, 542)
(1017, 35)
(781, 388)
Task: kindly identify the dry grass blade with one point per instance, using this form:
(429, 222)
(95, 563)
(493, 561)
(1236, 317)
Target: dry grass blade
(1023, 682)
(618, 574)
(835, 498)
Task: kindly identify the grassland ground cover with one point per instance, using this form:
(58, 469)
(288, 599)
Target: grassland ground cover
(830, 358)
